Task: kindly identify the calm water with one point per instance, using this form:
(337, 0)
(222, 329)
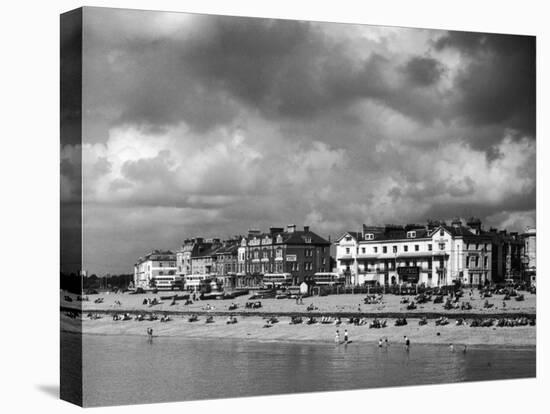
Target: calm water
(129, 369)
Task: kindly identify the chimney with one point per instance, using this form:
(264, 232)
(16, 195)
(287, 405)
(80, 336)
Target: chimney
(306, 229)
(456, 223)
(291, 228)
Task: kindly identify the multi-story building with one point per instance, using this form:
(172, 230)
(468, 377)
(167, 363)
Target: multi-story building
(506, 258)
(227, 263)
(203, 259)
(298, 254)
(184, 254)
(436, 254)
(196, 261)
(529, 255)
(155, 264)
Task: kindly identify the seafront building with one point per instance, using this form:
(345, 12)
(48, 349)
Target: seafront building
(201, 261)
(281, 256)
(529, 255)
(157, 266)
(227, 263)
(435, 254)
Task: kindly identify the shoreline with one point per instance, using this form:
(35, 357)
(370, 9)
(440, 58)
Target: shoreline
(514, 347)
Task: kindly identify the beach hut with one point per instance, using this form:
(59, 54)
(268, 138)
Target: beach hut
(304, 288)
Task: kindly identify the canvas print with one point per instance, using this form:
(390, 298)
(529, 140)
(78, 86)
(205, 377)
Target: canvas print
(254, 206)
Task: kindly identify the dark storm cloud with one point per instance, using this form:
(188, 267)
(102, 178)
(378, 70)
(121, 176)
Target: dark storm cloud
(483, 210)
(423, 71)
(292, 69)
(498, 86)
(285, 69)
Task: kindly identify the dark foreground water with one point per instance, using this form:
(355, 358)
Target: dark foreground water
(129, 369)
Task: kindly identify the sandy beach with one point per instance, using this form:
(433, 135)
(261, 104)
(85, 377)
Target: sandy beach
(332, 304)
(252, 327)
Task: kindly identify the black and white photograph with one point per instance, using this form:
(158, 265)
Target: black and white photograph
(256, 206)
(271, 207)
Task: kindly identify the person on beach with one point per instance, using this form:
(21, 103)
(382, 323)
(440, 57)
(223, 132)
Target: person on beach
(407, 343)
(150, 333)
(464, 350)
(346, 336)
(451, 347)
(386, 343)
(337, 337)
(380, 343)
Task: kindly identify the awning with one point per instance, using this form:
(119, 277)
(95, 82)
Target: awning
(367, 256)
(415, 254)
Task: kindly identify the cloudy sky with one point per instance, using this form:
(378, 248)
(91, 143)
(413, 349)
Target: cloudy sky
(204, 125)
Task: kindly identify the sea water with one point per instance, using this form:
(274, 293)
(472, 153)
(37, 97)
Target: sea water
(132, 369)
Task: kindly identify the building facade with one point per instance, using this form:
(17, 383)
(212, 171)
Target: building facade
(226, 259)
(529, 255)
(297, 254)
(435, 254)
(157, 263)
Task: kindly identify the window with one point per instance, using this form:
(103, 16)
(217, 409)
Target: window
(375, 249)
(411, 234)
(385, 249)
(395, 249)
(307, 239)
(347, 250)
(348, 238)
(441, 246)
(369, 236)
(442, 232)
(406, 248)
(429, 247)
(485, 261)
(416, 248)
(363, 250)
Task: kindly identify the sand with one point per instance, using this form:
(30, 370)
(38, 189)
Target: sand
(251, 327)
(332, 304)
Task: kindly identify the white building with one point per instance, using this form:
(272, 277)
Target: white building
(347, 247)
(157, 263)
(530, 254)
(433, 255)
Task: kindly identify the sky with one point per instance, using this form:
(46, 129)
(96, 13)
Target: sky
(197, 125)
